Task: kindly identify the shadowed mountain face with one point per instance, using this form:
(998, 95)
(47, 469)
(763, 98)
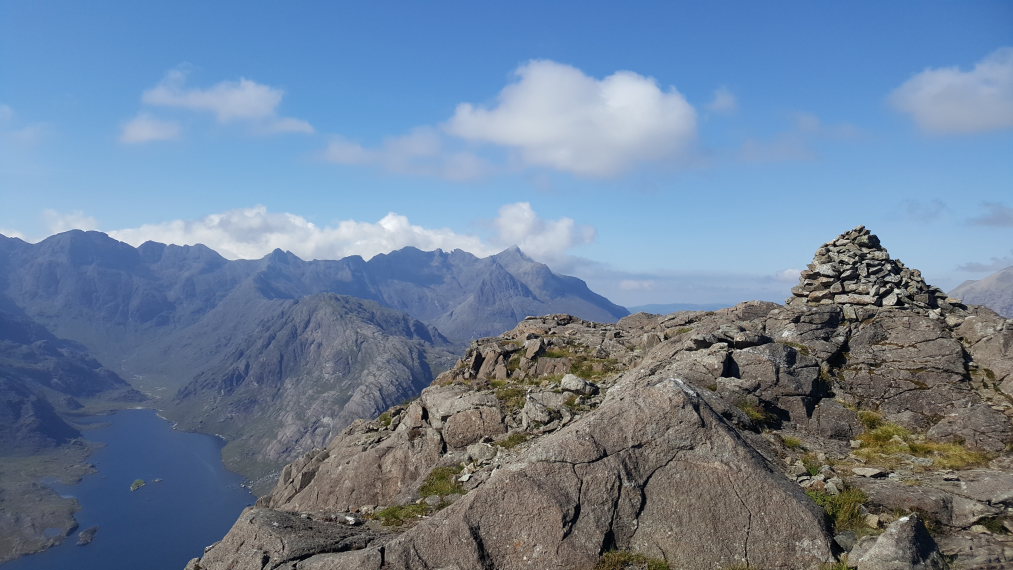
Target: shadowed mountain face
(42, 377)
(310, 368)
(129, 306)
(257, 344)
(994, 292)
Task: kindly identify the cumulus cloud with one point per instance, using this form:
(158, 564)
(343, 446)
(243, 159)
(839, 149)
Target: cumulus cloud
(996, 214)
(724, 102)
(251, 233)
(146, 128)
(555, 116)
(423, 151)
(948, 100)
(993, 264)
(551, 116)
(243, 100)
(518, 224)
(57, 222)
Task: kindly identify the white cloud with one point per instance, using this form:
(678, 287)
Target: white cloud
(724, 101)
(556, 116)
(518, 224)
(6, 113)
(146, 128)
(251, 233)
(422, 151)
(13, 234)
(289, 125)
(57, 222)
(229, 101)
(947, 100)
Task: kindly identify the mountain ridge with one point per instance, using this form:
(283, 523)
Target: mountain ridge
(867, 422)
(169, 317)
(994, 291)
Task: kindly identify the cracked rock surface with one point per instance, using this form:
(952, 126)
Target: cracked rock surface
(699, 439)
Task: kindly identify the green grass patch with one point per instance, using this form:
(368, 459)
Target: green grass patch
(885, 444)
(844, 509)
(400, 514)
(841, 564)
(556, 353)
(572, 402)
(514, 363)
(800, 348)
(757, 413)
(591, 368)
(442, 481)
(812, 464)
(871, 420)
(513, 397)
(513, 440)
(624, 559)
(792, 442)
(384, 419)
(994, 524)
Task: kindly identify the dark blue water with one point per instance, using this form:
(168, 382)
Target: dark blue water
(159, 526)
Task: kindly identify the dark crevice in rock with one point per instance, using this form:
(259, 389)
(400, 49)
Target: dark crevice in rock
(483, 555)
(571, 521)
(749, 519)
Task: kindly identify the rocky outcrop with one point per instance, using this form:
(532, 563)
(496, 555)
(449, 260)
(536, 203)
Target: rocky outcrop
(854, 270)
(759, 435)
(906, 545)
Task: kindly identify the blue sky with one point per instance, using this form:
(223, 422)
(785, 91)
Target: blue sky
(665, 152)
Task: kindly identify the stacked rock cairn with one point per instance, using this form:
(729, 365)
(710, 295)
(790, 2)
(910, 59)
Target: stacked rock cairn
(855, 271)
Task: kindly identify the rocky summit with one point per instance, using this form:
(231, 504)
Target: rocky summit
(866, 424)
(855, 271)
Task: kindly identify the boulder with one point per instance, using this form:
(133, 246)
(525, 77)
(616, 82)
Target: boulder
(905, 545)
(576, 384)
(471, 426)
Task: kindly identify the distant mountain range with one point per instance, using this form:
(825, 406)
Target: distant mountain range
(994, 292)
(42, 377)
(250, 345)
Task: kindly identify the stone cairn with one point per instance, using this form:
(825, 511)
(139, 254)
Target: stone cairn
(855, 271)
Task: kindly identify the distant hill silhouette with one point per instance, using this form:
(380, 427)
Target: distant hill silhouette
(994, 292)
